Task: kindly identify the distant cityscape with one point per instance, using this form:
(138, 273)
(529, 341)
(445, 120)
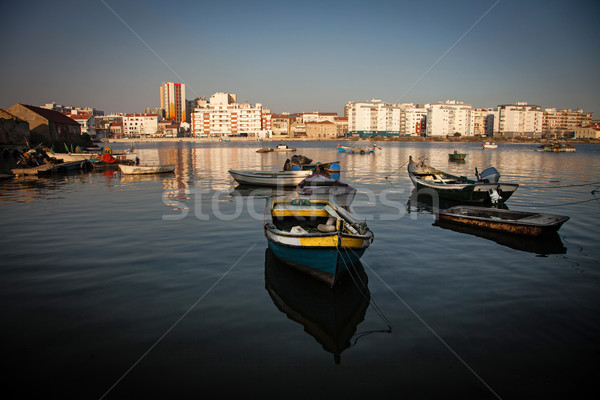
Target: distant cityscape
(222, 116)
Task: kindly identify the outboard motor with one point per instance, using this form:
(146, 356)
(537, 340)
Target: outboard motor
(489, 175)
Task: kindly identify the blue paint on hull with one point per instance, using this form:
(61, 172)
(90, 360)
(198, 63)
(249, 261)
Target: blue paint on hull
(323, 260)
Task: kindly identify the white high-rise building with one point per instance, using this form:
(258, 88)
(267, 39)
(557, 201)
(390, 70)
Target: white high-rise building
(450, 117)
(139, 125)
(375, 117)
(222, 116)
(519, 119)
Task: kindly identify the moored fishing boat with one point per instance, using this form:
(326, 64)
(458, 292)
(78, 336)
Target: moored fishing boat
(320, 185)
(316, 236)
(357, 149)
(489, 145)
(503, 220)
(146, 169)
(484, 189)
(456, 156)
(283, 148)
(269, 178)
(555, 147)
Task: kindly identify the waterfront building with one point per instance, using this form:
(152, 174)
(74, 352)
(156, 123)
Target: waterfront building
(318, 117)
(172, 100)
(561, 123)
(87, 122)
(48, 123)
(13, 130)
(321, 130)
(222, 116)
(140, 125)
(450, 118)
(73, 109)
(591, 131)
(168, 128)
(483, 122)
(115, 129)
(378, 118)
(341, 124)
(519, 119)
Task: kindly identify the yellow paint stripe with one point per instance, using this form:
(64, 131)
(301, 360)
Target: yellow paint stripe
(299, 212)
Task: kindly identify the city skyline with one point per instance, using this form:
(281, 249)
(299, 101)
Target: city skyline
(306, 57)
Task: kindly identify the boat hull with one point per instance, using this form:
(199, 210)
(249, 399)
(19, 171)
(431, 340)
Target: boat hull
(141, 169)
(458, 189)
(501, 220)
(323, 260)
(264, 178)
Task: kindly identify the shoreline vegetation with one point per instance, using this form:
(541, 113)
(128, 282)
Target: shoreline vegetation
(353, 139)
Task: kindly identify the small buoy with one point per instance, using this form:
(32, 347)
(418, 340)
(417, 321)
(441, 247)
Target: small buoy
(334, 166)
(296, 168)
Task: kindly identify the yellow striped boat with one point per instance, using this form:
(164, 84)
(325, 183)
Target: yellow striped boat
(316, 236)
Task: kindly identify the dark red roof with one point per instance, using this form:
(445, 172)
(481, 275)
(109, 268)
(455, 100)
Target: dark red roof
(51, 115)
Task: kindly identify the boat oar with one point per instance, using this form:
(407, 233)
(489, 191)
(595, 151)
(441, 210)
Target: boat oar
(334, 214)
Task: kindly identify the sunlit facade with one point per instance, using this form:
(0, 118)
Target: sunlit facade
(172, 100)
(450, 118)
(222, 116)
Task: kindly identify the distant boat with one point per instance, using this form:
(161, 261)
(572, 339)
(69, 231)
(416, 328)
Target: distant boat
(145, 169)
(503, 220)
(269, 178)
(322, 186)
(284, 148)
(357, 149)
(489, 145)
(456, 156)
(485, 189)
(557, 148)
(279, 148)
(317, 237)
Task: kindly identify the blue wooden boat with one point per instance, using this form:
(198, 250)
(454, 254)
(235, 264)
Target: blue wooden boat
(357, 149)
(316, 236)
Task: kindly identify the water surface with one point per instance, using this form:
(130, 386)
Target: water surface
(162, 286)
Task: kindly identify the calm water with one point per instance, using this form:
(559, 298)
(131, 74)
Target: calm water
(162, 286)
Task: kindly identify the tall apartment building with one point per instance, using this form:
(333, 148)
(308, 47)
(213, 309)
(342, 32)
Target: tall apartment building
(222, 116)
(450, 117)
(378, 118)
(519, 119)
(172, 100)
(483, 122)
(557, 123)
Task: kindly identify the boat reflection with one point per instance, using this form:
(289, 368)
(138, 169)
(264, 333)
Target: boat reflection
(330, 315)
(427, 200)
(263, 191)
(541, 245)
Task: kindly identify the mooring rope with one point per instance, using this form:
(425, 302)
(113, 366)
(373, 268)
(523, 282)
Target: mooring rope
(362, 287)
(562, 186)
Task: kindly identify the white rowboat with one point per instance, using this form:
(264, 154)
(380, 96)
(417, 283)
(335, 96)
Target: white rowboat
(145, 169)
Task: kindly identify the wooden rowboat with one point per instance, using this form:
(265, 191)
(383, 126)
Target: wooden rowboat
(317, 237)
(503, 220)
(322, 186)
(484, 190)
(145, 169)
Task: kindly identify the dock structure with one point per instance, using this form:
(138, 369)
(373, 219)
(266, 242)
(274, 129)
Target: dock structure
(46, 169)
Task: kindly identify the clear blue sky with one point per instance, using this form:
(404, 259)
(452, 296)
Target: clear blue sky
(302, 55)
